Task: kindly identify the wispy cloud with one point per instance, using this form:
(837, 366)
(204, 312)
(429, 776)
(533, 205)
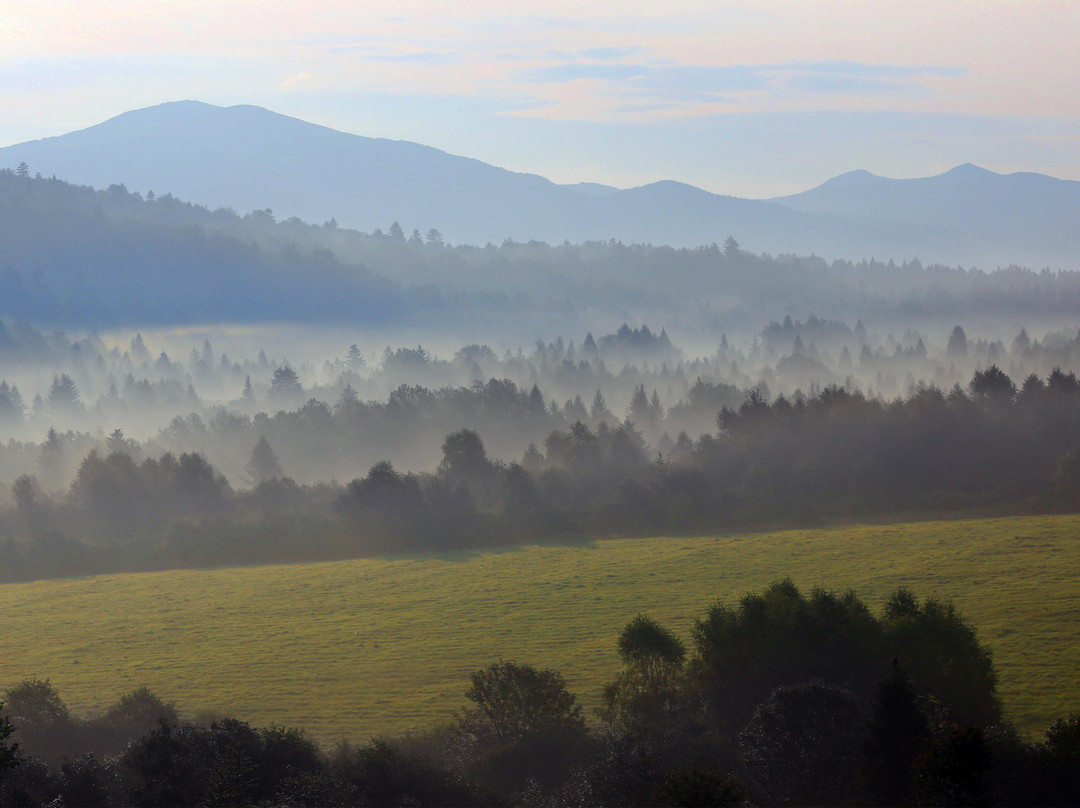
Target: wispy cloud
(297, 81)
(657, 86)
(574, 71)
(608, 53)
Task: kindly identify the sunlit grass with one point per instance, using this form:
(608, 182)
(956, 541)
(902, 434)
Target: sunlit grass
(352, 648)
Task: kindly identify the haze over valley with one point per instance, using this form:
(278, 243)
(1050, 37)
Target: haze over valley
(603, 405)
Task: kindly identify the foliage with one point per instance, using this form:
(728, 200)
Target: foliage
(802, 745)
(514, 701)
(9, 751)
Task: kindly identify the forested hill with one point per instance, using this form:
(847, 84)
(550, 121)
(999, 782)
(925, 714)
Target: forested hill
(70, 255)
(75, 257)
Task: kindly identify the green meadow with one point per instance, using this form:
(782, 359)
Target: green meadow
(350, 649)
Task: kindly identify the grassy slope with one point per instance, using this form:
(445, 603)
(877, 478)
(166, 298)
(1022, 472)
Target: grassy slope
(352, 648)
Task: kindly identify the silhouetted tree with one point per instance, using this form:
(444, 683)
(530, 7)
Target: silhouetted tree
(958, 345)
(63, 396)
(43, 726)
(514, 700)
(285, 385)
(51, 458)
(646, 689)
(802, 745)
(9, 750)
(263, 463)
(898, 729)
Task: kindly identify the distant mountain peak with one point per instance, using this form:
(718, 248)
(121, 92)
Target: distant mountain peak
(850, 178)
(967, 169)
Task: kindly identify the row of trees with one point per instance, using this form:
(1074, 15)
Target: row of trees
(994, 448)
(783, 699)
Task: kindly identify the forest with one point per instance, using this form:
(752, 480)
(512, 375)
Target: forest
(80, 258)
(992, 448)
(782, 698)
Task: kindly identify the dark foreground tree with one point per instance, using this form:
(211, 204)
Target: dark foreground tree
(782, 638)
(802, 746)
(9, 751)
(525, 726)
(515, 700)
(44, 728)
(646, 691)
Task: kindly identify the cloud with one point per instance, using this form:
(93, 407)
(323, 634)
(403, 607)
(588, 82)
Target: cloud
(299, 81)
(573, 71)
(830, 84)
(610, 53)
(866, 70)
(657, 86)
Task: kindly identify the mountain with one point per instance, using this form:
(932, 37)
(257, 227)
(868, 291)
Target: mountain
(970, 211)
(248, 158)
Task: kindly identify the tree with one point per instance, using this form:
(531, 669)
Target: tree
(464, 458)
(22, 170)
(993, 387)
(9, 752)
(134, 715)
(957, 347)
(355, 359)
(526, 726)
(782, 638)
(434, 238)
(116, 443)
(646, 689)
(898, 729)
(51, 458)
(285, 385)
(514, 700)
(802, 745)
(43, 726)
(63, 396)
(263, 464)
(940, 649)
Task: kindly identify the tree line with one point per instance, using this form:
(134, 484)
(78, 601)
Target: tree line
(990, 449)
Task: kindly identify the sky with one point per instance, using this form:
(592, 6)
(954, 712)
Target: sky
(753, 98)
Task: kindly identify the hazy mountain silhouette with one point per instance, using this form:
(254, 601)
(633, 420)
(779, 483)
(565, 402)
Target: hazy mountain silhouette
(967, 211)
(249, 158)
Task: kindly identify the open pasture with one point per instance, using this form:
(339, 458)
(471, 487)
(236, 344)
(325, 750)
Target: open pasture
(349, 649)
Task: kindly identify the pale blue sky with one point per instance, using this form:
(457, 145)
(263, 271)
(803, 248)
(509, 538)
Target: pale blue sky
(753, 98)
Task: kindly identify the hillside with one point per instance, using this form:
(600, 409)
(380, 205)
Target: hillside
(353, 648)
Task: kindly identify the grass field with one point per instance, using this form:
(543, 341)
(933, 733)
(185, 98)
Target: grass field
(353, 648)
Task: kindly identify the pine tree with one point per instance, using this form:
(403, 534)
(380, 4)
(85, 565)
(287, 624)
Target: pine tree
(63, 396)
(263, 464)
(355, 359)
(117, 443)
(598, 411)
(51, 458)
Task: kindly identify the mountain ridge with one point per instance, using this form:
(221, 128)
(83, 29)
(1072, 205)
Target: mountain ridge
(245, 157)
